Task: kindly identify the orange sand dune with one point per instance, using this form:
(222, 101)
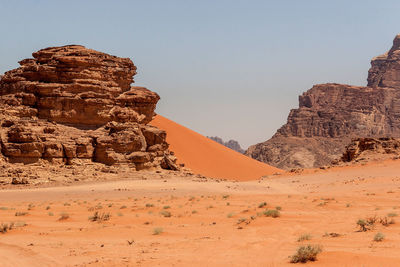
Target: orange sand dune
(209, 158)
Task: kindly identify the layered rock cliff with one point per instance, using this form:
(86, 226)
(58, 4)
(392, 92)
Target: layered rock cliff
(71, 104)
(330, 115)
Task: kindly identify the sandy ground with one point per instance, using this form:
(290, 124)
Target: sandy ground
(211, 223)
(205, 156)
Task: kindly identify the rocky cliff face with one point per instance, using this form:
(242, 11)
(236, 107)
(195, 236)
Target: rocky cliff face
(330, 115)
(71, 104)
(232, 144)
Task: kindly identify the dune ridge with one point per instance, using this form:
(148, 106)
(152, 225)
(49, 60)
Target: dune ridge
(207, 157)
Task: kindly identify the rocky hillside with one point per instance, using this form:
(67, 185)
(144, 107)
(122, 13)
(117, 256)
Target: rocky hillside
(73, 105)
(232, 144)
(330, 115)
(367, 149)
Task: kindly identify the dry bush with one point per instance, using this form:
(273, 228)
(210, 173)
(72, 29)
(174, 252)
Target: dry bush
(306, 253)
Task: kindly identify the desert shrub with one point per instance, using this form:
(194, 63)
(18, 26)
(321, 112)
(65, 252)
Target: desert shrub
(165, 213)
(392, 214)
(157, 231)
(63, 216)
(379, 237)
(21, 213)
(278, 208)
(5, 227)
(304, 237)
(306, 253)
(262, 204)
(363, 225)
(166, 207)
(99, 217)
(149, 205)
(272, 213)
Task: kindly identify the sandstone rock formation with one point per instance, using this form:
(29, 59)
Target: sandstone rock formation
(71, 105)
(366, 149)
(232, 144)
(330, 115)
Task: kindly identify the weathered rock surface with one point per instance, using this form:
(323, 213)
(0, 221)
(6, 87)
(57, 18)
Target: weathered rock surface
(330, 115)
(232, 144)
(366, 149)
(71, 105)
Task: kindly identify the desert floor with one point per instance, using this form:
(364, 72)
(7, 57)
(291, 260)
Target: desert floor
(211, 223)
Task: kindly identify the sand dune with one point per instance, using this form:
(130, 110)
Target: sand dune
(204, 156)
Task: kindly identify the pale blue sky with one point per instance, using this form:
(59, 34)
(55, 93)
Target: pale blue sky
(222, 67)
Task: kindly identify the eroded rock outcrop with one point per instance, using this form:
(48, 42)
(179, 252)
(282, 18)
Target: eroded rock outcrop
(330, 115)
(71, 104)
(366, 149)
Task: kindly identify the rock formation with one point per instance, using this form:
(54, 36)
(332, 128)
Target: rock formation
(71, 105)
(232, 144)
(366, 149)
(330, 115)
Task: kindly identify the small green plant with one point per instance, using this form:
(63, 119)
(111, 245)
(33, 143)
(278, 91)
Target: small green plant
(51, 214)
(392, 214)
(230, 215)
(166, 207)
(225, 196)
(304, 237)
(278, 208)
(306, 253)
(149, 205)
(157, 231)
(379, 237)
(272, 213)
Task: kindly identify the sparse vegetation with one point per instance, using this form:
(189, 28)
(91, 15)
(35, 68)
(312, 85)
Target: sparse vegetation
(166, 207)
(379, 237)
(63, 216)
(5, 227)
(392, 214)
(21, 213)
(165, 213)
(99, 217)
(272, 213)
(278, 208)
(149, 205)
(304, 237)
(262, 205)
(306, 253)
(157, 231)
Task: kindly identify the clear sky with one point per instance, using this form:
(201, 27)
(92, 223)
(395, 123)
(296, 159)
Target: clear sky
(222, 67)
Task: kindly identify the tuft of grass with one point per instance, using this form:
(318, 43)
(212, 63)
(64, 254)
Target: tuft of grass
(194, 211)
(225, 196)
(51, 214)
(165, 213)
(99, 217)
(123, 207)
(272, 213)
(149, 205)
(262, 205)
(63, 216)
(363, 225)
(306, 253)
(230, 215)
(379, 237)
(392, 214)
(21, 213)
(157, 231)
(304, 237)
(166, 207)
(278, 208)
(48, 207)
(5, 227)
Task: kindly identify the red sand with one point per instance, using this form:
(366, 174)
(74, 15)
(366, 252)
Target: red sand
(207, 157)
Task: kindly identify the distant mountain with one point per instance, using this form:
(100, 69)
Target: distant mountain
(232, 144)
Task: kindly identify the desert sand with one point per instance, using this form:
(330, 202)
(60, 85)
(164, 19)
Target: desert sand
(207, 157)
(167, 218)
(199, 222)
